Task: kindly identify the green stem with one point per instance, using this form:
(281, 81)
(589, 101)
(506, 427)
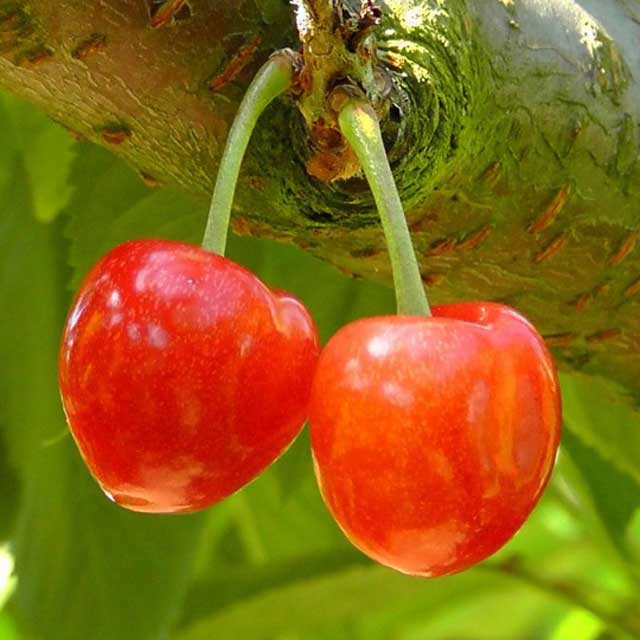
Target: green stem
(359, 125)
(273, 79)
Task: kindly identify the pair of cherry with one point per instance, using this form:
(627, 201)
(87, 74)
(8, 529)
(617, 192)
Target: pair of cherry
(183, 377)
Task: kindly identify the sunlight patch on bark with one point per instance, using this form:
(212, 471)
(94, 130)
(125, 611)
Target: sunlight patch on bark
(303, 19)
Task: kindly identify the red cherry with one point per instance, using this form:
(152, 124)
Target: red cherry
(182, 375)
(433, 438)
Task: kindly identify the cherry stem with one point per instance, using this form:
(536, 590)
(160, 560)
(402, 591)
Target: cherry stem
(274, 78)
(359, 125)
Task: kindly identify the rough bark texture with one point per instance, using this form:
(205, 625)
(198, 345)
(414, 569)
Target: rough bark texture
(515, 139)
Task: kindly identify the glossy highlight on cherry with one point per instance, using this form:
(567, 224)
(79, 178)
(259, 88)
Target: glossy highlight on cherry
(182, 375)
(434, 437)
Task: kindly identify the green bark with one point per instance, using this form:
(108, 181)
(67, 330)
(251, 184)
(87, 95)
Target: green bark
(514, 139)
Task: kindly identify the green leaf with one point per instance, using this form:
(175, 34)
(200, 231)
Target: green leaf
(234, 582)
(46, 150)
(633, 536)
(34, 160)
(9, 492)
(597, 411)
(277, 516)
(31, 279)
(465, 615)
(602, 437)
(8, 629)
(579, 624)
(602, 440)
(616, 496)
(312, 604)
(370, 602)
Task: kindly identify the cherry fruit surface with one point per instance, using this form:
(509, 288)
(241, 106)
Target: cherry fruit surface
(434, 437)
(182, 375)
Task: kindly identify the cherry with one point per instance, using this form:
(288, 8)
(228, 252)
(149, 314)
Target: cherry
(433, 433)
(182, 375)
(433, 438)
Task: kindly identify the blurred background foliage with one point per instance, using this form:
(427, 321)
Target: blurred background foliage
(268, 563)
